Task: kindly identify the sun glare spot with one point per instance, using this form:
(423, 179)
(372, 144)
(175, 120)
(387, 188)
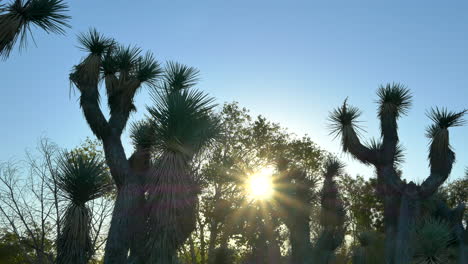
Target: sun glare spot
(259, 184)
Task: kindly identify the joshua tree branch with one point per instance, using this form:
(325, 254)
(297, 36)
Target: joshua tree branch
(92, 112)
(434, 181)
(358, 150)
(441, 155)
(389, 127)
(120, 111)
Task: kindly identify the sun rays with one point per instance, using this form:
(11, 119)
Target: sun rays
(260, 184)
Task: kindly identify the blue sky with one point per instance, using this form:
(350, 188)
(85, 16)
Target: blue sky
(291, 61)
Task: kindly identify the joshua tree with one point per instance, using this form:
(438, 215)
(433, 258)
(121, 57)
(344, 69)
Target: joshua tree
(17, 17)
(80, 180)
(124, 71)
(183, 124)
(179, 125)
(332, 214)
(401, 199)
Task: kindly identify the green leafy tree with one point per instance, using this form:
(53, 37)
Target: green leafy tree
(18, 17)
(13, 249)
(226, 211)
(364, 207)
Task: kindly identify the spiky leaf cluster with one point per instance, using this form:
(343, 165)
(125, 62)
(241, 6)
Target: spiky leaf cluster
(124, 68)
(179, 76)
(440, 151)
(394, 98)
(82, 178)
(95, 43)
(142, 134)
(183, 119)
(376, 146)
(333, 167)
(17, 17)
(431, 241)
(343, 122)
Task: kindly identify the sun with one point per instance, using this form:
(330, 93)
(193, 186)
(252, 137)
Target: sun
(259, 185)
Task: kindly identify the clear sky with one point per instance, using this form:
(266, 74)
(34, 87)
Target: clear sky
(291, 61)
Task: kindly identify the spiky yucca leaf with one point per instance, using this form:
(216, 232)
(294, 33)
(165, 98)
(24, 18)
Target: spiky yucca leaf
(443, 119)
(183, 120)
(17, 17)
(394, 98)
(126, 58)
(142, 134)
(431, 241)
(375, 145)
(125, 70)
(94, 42)
(399, 157)
(343, 122)
(440, 151)
(148, 69)
(87, 74)
(82, 178)
(179, 76)
(333, 167)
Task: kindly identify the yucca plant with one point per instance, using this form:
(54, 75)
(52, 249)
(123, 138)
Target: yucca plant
(123, 70)
(183, 124)
(17, 18)
(81, 179)
(401, 200)
(332, 214)
(431, 242)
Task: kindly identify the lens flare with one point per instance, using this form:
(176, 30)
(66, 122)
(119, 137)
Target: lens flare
(260, 185)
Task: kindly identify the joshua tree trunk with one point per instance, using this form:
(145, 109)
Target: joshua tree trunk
(391, 209)
(409, 212)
